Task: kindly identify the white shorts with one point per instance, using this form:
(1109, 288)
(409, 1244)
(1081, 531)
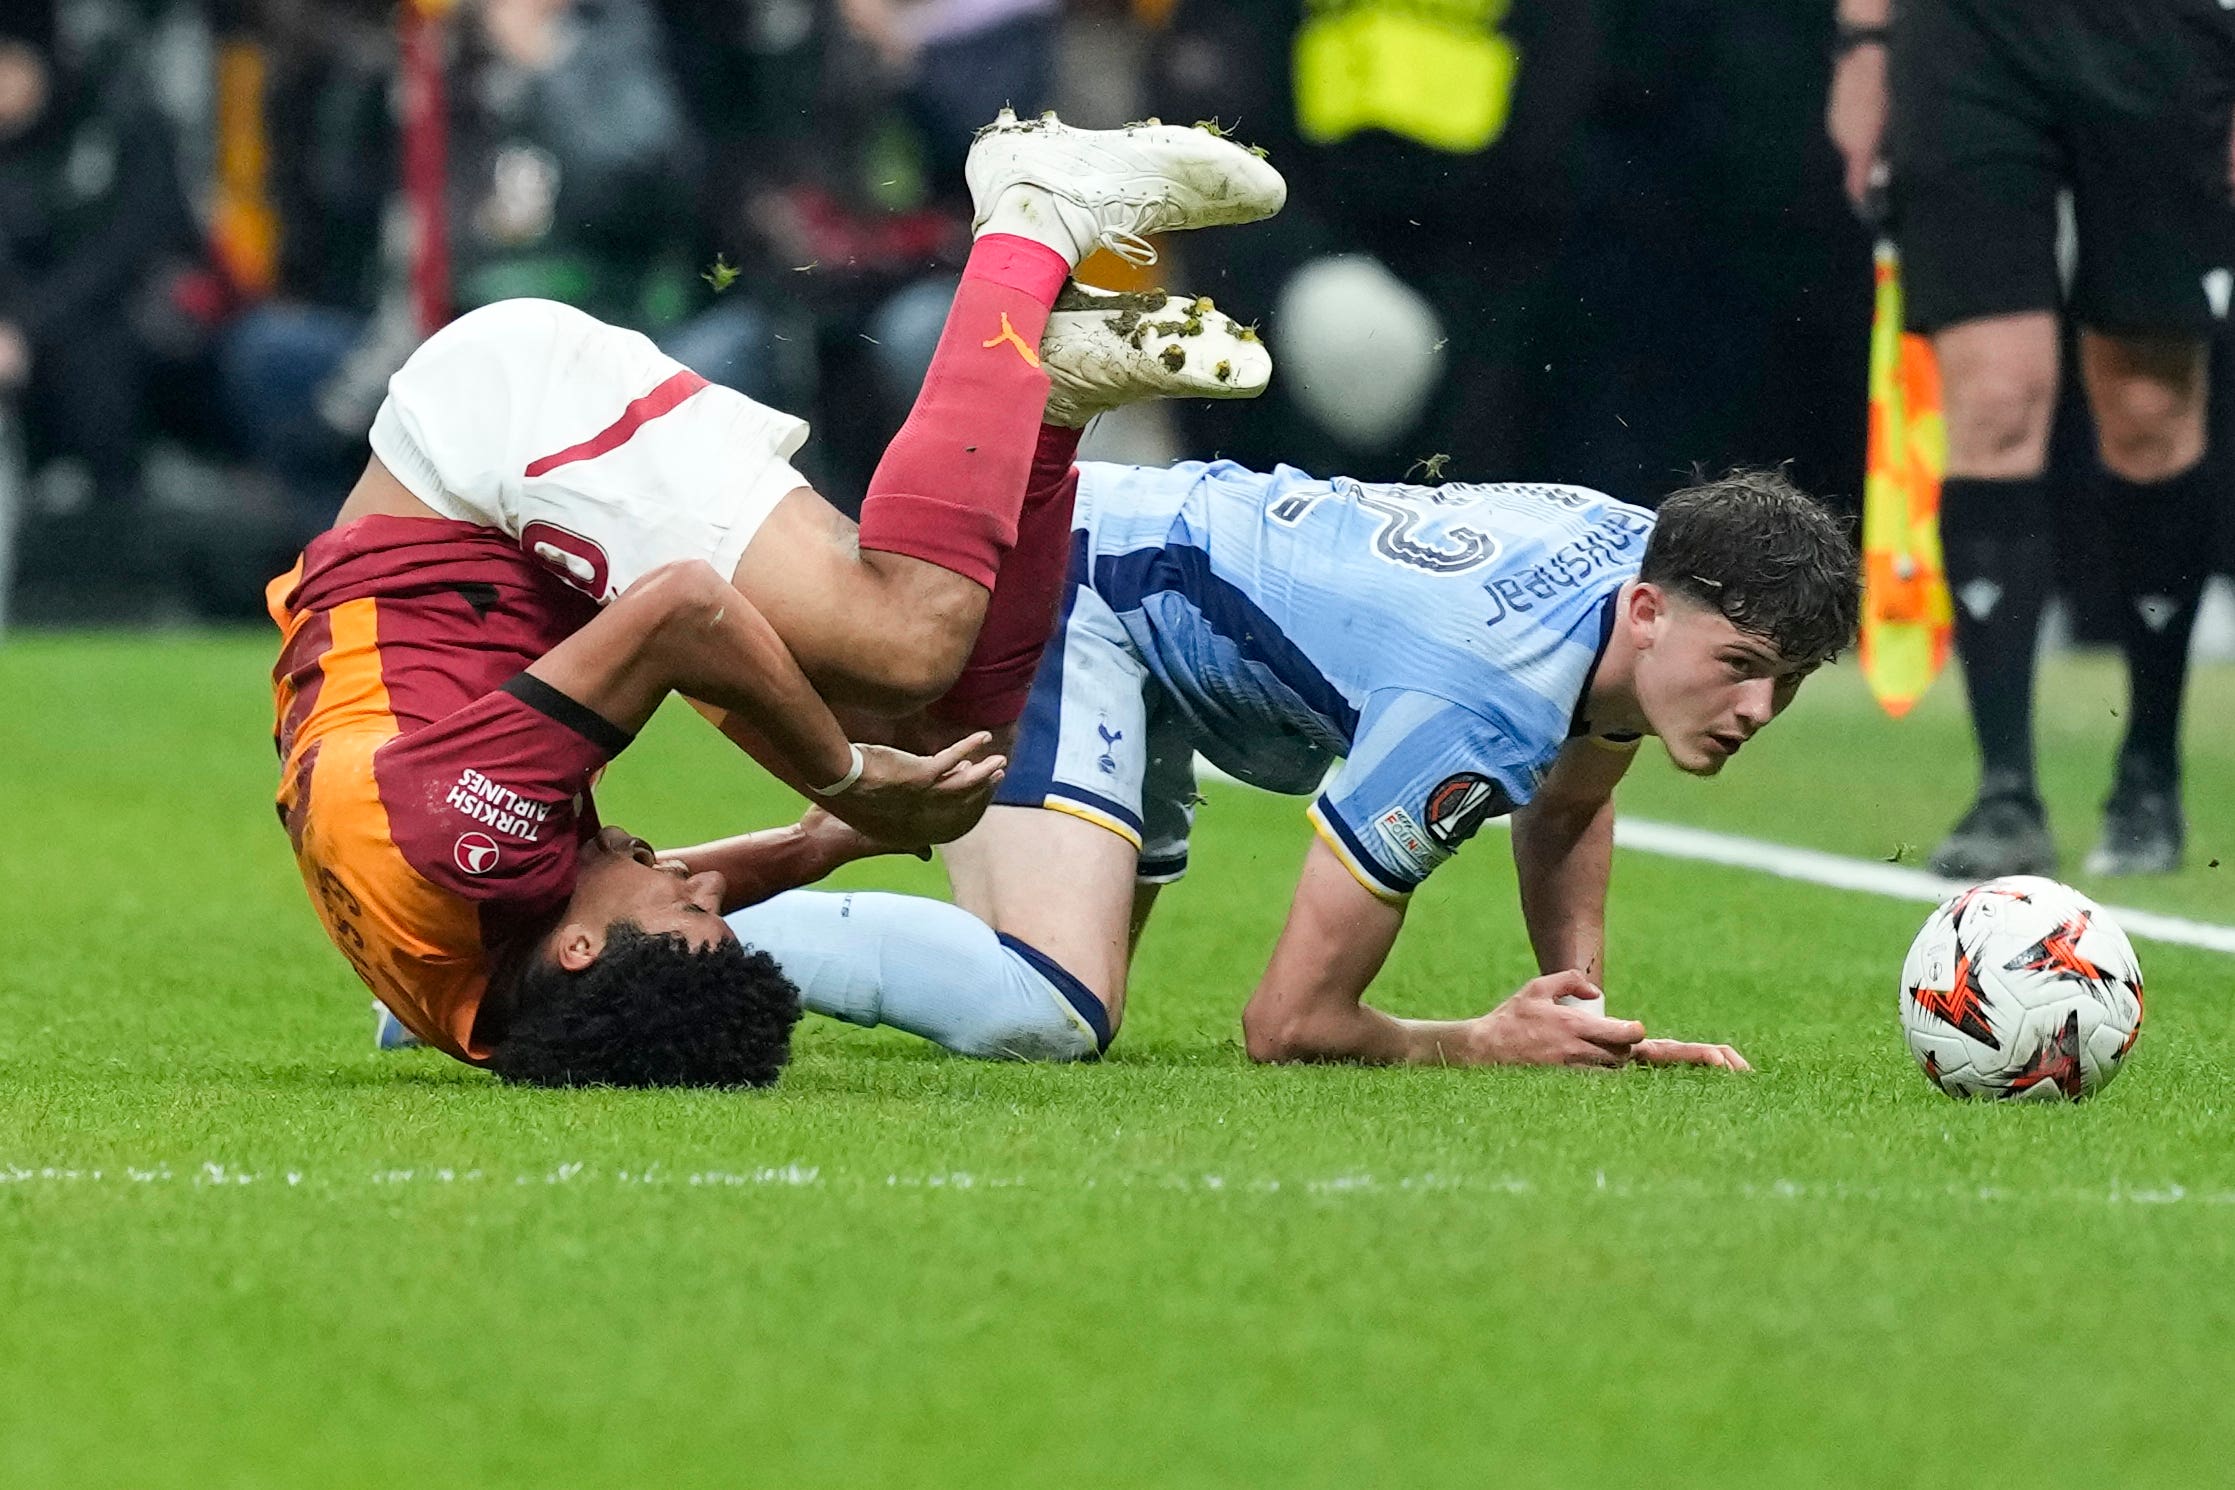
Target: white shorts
(602, 455)
(1100, 740)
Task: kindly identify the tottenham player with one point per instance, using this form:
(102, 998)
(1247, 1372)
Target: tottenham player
(560, 527)
(1464, 651)
(2001, 120)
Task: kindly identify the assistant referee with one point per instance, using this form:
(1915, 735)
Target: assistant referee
(1987, 111)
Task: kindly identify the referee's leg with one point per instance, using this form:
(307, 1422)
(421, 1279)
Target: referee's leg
(2148, 397)
(1998, 381)
(2155, 274)
(1977, 164)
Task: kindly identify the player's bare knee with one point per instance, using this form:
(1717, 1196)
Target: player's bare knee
(928, 622)
(913, 673)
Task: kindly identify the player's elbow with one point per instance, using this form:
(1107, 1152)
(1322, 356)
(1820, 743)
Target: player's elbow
(681, 607)
(1275, 1032)
(681, 599)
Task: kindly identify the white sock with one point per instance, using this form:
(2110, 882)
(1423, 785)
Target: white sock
(926, 967)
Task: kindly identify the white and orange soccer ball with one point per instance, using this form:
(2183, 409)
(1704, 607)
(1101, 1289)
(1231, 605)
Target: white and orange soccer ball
(2021, 988)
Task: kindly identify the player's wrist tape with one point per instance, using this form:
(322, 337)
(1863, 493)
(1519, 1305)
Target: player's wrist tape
(845, 782)
(1847, 38)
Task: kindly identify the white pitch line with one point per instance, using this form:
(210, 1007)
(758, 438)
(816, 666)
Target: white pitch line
(1875, 878)
(1838, 872)
(1364, 1186)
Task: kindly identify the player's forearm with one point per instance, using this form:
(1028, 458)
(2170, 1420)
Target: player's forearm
(1856, 14)
(1322, 1016)
(1308, 1005)
(756, 866)
(733, 660)
(1338, 1030)
(1563, 859)
(683, 628)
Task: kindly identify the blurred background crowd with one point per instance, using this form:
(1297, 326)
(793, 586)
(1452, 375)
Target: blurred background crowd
(1607, 245)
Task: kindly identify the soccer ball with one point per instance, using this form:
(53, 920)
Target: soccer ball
(2021, 988)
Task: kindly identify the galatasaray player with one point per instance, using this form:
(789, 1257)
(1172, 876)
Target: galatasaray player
(560, 527)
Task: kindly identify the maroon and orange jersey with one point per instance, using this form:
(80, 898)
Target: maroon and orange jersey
(436, 795)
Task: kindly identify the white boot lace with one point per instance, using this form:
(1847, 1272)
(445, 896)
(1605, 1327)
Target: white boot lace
(1129, 246)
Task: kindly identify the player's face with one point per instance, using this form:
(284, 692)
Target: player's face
(1704, 686)
(622, 880)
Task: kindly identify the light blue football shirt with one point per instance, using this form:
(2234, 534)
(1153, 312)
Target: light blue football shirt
(1436, 640)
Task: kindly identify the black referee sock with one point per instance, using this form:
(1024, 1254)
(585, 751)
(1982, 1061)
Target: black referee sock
(2161, 538)
(1996, 538)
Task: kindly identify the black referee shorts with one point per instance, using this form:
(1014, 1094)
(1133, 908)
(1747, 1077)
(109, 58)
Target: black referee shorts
(2000, 104)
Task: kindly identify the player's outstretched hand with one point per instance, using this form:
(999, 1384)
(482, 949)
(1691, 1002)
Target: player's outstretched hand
(907, 800)
(1686, 1053)
(1533, 1028)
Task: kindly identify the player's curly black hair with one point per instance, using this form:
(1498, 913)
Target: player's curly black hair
(650, 1011)
(1759, 550)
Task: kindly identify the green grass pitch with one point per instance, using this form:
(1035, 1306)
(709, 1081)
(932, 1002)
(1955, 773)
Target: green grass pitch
(239, 1248)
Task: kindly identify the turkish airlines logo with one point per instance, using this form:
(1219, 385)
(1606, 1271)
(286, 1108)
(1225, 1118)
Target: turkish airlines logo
(476, 853)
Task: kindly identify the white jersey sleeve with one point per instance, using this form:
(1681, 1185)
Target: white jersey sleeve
(600, 454)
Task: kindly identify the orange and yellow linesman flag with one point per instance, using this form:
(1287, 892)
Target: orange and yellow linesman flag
(1907, 620)
(244, 228)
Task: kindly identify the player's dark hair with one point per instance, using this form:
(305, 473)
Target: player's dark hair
(651, 1011)
(1760, 551)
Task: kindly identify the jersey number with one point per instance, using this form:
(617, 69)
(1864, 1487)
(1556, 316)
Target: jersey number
(1404, 512)
(574, 558)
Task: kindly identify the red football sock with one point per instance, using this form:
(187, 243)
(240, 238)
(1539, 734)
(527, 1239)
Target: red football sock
(951, 483)
(1021, 615)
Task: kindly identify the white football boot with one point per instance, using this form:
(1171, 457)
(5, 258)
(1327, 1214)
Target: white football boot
(1078, 189)
(1104, 348)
